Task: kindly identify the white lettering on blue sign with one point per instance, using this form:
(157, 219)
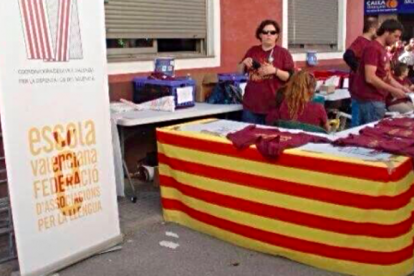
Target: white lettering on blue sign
(376, 3)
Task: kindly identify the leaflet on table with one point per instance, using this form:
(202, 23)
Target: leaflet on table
(215, 127)
(351, 152)
(223, 127)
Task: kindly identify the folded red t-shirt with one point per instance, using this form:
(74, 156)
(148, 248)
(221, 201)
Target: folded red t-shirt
(271, 142)
(388, 131)
(405, 123)
(378, 142)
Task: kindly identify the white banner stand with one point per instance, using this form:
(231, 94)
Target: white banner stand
(56, 128)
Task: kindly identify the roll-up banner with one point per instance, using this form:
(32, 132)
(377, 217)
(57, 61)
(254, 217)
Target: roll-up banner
(56, 131)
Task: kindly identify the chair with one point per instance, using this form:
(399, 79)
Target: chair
(299, 125)
(338, 118)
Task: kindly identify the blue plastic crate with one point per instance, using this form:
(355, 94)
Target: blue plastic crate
(150, 89)
(233, 77)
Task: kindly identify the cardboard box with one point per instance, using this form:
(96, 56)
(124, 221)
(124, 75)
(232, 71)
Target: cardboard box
(327, 89)
(206, 87)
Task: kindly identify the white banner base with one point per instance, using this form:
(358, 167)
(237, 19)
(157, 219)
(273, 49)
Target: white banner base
(51, 268)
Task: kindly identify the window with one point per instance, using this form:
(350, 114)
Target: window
(143, 29)
(315, 25)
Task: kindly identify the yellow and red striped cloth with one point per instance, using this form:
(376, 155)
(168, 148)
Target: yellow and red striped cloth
(341, 214)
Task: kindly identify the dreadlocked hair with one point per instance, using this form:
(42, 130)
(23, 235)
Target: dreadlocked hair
(299, 91)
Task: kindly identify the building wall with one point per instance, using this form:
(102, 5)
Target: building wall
(355, 20)
(239, 20)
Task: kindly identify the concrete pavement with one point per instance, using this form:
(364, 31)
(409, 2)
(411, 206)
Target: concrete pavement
(197, 253)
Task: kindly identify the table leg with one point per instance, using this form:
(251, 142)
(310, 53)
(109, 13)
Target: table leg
(124, 165)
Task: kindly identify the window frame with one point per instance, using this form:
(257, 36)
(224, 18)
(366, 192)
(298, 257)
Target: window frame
(211, 59)
(322, 55)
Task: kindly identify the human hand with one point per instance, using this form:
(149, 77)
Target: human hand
(406, 89)
(248, 62)
(399, 94)
(267, 69)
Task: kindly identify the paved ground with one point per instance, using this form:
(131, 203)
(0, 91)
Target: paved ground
(197, 254)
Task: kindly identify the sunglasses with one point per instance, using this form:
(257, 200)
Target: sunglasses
(269, 32)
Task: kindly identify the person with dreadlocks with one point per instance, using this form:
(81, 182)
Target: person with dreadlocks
(297, 104)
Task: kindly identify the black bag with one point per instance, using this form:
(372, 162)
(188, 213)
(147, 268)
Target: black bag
(280, 96)
(225, 93)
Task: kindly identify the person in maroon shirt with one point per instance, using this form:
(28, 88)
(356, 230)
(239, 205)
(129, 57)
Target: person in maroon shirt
(401, 72)
(269, 67)
(297, 104)
(352, 57)
(371, 89)
(401, 105)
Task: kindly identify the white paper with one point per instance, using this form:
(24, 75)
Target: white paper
(216, 128)
(185, 94)
(352, 152)
(334, 80)
(346, 83)
(242, 86)
(319, 83)
(171, 234)
(170, 245)
(411, 95)
(339, 94)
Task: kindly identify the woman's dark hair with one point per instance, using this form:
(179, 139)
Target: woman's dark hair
(399, 69)
(264, 24)
(390, 25)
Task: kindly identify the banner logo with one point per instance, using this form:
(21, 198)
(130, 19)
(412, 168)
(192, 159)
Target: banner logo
(51, 30)
(392, 4)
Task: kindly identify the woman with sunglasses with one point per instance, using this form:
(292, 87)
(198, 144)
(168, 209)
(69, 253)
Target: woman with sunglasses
(269, 67)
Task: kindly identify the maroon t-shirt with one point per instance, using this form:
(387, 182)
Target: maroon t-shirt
(259, 96)
(378, 142)
(313, 113)
(271, 142)
(404, 123)
(406, 81)
(357, 47)
(387, 131)
(376, 55)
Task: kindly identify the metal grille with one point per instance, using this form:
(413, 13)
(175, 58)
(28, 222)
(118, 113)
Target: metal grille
(313, 22)
(156, 19)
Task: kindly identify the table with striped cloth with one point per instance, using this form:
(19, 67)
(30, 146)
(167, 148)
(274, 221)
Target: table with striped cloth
(337, 213)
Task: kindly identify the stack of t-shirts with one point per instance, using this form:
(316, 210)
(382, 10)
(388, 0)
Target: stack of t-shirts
(389, 135)
(404, 123)
(271, 142)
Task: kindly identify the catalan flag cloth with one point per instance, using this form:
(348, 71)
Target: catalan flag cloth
(337, 213)
(51, 30)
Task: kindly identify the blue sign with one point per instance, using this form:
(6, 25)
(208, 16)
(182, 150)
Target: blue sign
(389, 6)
